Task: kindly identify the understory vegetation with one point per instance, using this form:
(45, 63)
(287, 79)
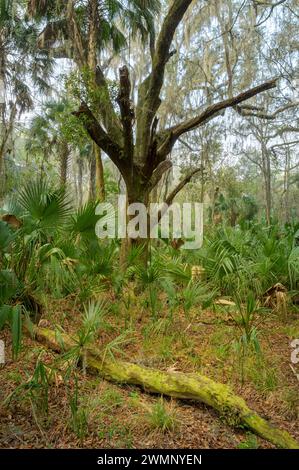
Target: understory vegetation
(222, 321)
(139, 342)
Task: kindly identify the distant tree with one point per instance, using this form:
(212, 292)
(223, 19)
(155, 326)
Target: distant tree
(46, 136)
(24, 69)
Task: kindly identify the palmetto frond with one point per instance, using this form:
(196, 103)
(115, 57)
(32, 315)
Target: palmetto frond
(148, 275)
(82, 223)
(48, 209)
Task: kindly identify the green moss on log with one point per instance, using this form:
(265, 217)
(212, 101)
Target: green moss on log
(175, 384)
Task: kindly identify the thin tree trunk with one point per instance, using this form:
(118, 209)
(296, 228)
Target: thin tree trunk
(92, 177)
(2, 111)
(92, 63)
(80, 181)
(202, 175)
(64, 156)
(74, 177)
(287, 186)
(214, 200)
(2, 173)
(100, 182)
(267, 182)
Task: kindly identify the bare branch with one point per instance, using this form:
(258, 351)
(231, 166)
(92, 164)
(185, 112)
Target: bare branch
(162, 50)
(169, 199)
(272, 6)
(170, 136)
(187, 145)
(181, 185)
(284, 130)
(284, 144)
(251, 107)
(242, 110)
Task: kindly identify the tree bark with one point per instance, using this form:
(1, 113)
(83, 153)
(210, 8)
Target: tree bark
(266, 164)
(64, 157)
(92, 176)
(80, 181)
(100, 182)
(287, 186)
(188, 386)
(93, 24)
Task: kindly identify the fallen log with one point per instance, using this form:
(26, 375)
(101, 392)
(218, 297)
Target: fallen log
(190, 386)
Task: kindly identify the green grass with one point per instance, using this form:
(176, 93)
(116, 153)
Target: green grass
(265, 378)
(163, 417)
(250, 442)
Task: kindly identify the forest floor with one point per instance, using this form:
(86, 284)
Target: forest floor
(127, 417)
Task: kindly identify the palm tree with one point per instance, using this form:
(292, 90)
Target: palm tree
(22, 65)
(46, 136)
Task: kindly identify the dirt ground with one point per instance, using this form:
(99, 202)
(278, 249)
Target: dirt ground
(116, 416)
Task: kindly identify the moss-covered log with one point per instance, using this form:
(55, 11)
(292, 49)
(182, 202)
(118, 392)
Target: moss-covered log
(191, 386)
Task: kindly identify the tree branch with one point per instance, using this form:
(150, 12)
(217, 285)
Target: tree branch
(169, 199)
(149, 93)
(260, 113)
(284, 144)
(283, 130)
(162, 52)
(158, 173)
(99, 136)
(106, 109)
(171, 135)
(181, 185)
(126, 111)
(267, 4)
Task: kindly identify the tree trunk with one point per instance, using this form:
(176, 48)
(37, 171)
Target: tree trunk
(2, 174)
(267, 182)
(214, 214)
(233, 217)
(188, 386)
(2, 116)
(124, 247)
(100, 182)
(92, 177)
(137, 193)
(287, 186)
(64, 156)
(80, 181)
(93, 25)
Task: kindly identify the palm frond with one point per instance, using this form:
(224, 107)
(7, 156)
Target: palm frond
(49, 209)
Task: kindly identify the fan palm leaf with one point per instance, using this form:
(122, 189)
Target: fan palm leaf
(48, 209)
